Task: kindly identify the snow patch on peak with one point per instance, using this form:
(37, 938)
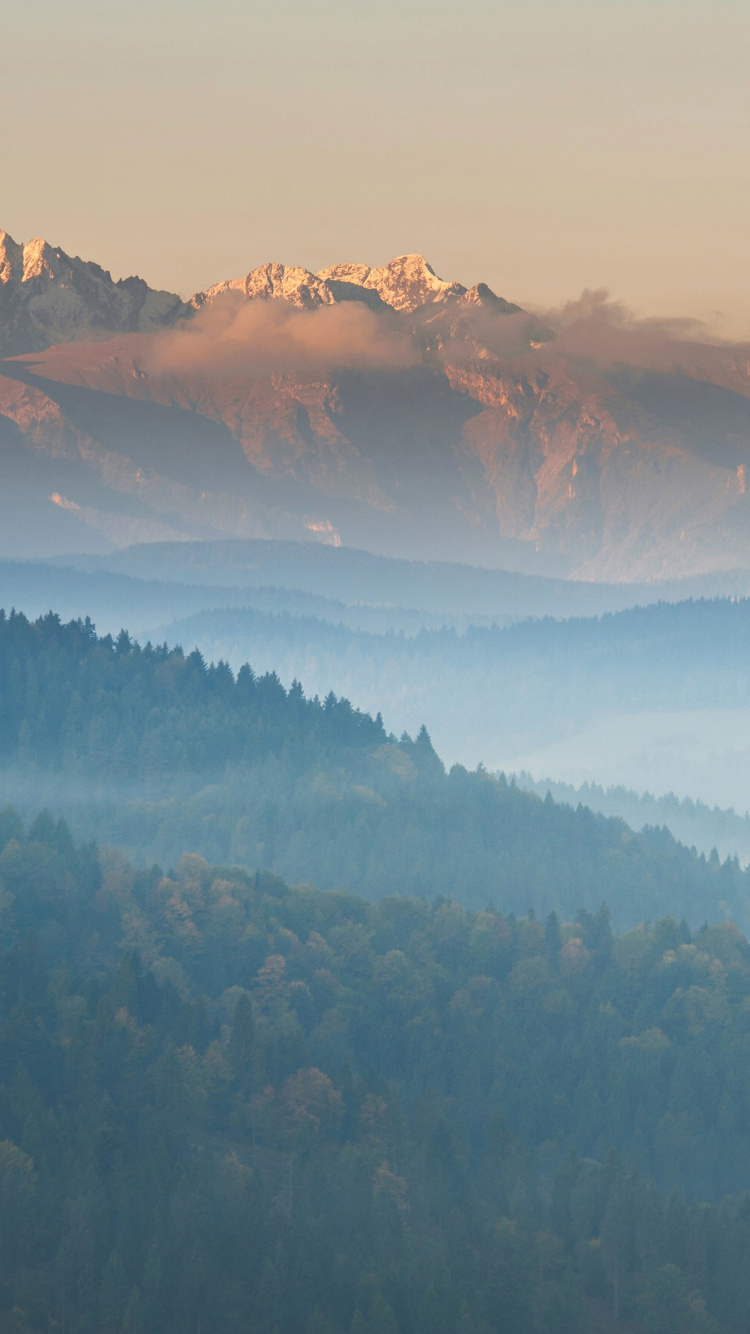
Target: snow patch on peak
(11, 258)
(404, 284)
(40, 260)
(482, 295)
(408, 282)
(296, 285)
(47, 297)
(274, 282)
(357, 274)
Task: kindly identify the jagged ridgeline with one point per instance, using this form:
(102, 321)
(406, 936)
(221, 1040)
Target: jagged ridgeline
(232, 1105)
(159, 753)
(430, 421)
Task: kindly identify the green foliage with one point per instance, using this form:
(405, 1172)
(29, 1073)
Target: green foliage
(157, 752)
(229, 1103)
(74, 701)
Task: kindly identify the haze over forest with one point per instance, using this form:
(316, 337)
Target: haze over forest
(375, 732)
(277, 427)
(374, 691)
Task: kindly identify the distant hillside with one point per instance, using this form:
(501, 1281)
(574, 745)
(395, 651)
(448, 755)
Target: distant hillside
(154, 751)
(146, 604)
(500, 695)
(665, 655)
(360, 577)
(691, 822)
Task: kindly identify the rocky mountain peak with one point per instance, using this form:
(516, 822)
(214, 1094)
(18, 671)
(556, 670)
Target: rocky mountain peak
(298, 286)
(47, 297)
(11, 258)
(408, 282)
(40, 260)
(482, 295)
(404, 284)
(346, 273)
(274, 282)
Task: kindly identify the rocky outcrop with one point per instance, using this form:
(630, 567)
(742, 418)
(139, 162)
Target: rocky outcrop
(407, 284)
(492, 442)
(47, 297)
(279, 282)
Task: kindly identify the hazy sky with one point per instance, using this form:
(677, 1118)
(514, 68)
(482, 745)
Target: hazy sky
(543, 146)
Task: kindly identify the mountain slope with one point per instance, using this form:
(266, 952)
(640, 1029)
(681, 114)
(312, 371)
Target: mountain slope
(691, 822)
(47, 297)
(643, 692)
(406, 284)
(153, 751)
(390, 410)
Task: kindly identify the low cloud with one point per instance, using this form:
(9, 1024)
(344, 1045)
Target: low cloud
(596, 327)
(234, 336)
(475, 332)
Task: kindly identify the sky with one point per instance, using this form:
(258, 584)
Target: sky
(542, 146)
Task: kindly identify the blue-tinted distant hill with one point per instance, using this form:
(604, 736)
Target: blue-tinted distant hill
(692, 822)
(153, 750)
(493, 693)
(355, 576)
(112, 600)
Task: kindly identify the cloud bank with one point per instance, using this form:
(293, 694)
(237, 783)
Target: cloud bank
(594, 326)
(234, 336)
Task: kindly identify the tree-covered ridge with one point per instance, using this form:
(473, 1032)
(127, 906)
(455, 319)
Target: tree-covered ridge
(157, 752)
(501, 695)
(657, 656)
(229, 1103)
(691, 822)
(72, 700)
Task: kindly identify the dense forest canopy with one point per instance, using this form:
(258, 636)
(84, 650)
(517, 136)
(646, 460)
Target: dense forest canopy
(72, 700)
(227, 1103)
(157, 752)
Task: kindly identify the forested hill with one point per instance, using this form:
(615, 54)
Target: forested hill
(691, 822)
(74, 701)
(157, 752)
(227, 1104)
(662, 656)
(502, 694)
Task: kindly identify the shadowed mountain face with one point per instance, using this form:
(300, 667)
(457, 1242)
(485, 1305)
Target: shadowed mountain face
(378, 408)
(48, 297)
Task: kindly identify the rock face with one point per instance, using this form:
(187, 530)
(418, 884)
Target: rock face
(406, 284)
(273, 282)
(46, 297)
(495, 443)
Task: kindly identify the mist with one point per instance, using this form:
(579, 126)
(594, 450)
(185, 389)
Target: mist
(599, 327)
(232, 336)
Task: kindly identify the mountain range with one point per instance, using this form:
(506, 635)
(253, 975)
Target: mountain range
(379, 408)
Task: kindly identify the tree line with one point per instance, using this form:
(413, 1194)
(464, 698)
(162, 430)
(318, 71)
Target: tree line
(158, 752)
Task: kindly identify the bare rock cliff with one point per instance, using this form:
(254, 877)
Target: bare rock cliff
(47, 297)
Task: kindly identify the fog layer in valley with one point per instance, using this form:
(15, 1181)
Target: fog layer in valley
(641, 698)
(656, 700)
